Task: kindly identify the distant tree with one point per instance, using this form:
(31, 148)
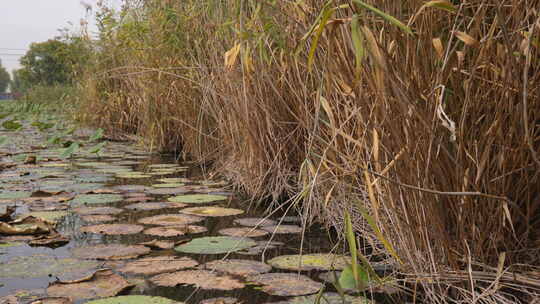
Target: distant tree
(17, 85)
(54, 61)
(5, 79)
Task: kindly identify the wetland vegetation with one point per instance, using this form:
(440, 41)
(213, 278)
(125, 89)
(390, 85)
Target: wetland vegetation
(194, 149)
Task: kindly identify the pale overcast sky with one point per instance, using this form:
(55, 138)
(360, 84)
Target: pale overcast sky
(25, 21)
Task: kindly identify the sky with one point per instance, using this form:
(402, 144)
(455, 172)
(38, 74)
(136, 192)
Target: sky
(25, 21)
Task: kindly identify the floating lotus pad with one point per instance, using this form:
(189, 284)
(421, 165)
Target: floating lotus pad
(203, 279)
(98, 218)
(52, 216)
(110, 252)
(221, 300)
(163, 166)
(167, 191)
(238, 267)
(158, 264)
(113, 229)
(261, 247)
(157, 244)
(327, 298)
(154, 206)
(171, 220)
(103, 283)
(94, 179)
(134, 300)
(286, 284)
(318, 261)
(243, 232)
(92, 199)
(169, 185)
(133, 175)
(215, 245)
(41, 265)
(212, 211)
(254, 221)
(282, 229)
(169, 231)
(97, 210)
(14, 195)
(197, 198)
(131, 188)
(174, 180)
(53, 300)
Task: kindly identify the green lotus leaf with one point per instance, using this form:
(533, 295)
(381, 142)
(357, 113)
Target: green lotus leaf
(215, 245)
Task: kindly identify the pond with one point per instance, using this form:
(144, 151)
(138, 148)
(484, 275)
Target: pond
(128, 222)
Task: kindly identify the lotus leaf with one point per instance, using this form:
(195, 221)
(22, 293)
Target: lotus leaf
(92, 199)
(169, 185)
(113, 229)
(98, 218)
(103, 283)
(158, 264)
(203, 279)
(286, 284)
(243, 232)
(197, 198)
(327, 298)
(254, 221)
(215, 245)
(212, 211)
(110, 252)
(319, 261)
(170, 220)
(282, 229)
(238, 267)
(169, 231)
(40, 265)
(137, 299)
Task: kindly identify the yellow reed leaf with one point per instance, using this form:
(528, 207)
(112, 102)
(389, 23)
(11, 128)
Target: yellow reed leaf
(231, 55)
(437, 44)
(466, 38)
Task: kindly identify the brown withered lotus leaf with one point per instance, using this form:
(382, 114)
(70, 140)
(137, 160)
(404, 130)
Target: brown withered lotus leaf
(41, 206)
(154, 206)
(286, 284)
(53, 240)
(103, 283)
(157, 244)
(110, 252)
(113, 229)
(171, 220)
(138, 199)
(203, 279)
(243, 232)
(254, 221)
(282, 229)
(169, 231)
(238, 267)
(97, 210)
(27, 225)
(221, 300)
(98, 218)
(157, 265)
(212, 211)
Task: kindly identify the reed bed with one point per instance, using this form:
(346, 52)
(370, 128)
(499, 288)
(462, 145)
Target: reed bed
(432, 135)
